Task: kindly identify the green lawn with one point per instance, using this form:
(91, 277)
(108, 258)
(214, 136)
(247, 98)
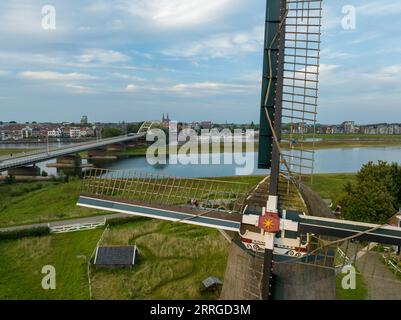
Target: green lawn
(21, 263)
(36, 202)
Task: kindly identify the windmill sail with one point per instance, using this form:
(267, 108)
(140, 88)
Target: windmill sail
(300, 84)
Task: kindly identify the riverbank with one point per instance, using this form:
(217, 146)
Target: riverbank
(8, 152)
(318, 145)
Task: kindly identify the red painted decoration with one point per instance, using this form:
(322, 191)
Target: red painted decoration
(270, 222)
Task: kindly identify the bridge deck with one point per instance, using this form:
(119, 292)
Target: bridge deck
(33, 158)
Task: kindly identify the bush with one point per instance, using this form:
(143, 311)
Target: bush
(10, 180)
(44, 173)
(17, 234)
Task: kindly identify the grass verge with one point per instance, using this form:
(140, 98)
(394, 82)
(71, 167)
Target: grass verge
(38, 202)
(359, 293)
(21, 263)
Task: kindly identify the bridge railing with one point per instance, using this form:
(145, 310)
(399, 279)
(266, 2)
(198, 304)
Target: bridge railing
(72, 145)
(164, 190)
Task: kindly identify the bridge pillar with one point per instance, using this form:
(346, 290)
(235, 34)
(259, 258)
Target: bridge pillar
(100, 154)
(28, 171)
(69, 160)
(69, 165)
(116, 147)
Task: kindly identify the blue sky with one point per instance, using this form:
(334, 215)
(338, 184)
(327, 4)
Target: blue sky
(196, 59)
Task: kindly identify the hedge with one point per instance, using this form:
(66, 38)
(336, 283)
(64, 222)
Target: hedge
(123, 220)
(22, 233)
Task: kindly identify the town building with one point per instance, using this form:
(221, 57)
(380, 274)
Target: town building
(84, 120)
(206, 125)
(166, 121)
(55, 133)
(348, 127)
(75, 133)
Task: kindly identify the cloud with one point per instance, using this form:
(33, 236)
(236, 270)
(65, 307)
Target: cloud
(333, 53)
(127, 76)
(380, 8)
(208, 88)
(57, 76)
(131, 88)
(173, 13)
(222, 45)
(102, 56)
(4, 73)
(79, 89)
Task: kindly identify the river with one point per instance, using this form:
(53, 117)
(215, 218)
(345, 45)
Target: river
(326, 161)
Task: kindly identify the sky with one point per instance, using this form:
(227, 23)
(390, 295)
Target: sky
(130, 60)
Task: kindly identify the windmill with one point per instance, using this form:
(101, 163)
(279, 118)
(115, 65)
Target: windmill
(271, 232)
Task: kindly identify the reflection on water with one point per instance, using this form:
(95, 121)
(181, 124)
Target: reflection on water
(327, 161)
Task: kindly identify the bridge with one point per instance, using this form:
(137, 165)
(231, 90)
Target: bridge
(26, 159)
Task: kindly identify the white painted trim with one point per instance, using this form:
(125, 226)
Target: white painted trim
(272, 204)
(133, 258)
(97, 249)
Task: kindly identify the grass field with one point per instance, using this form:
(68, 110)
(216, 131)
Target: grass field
(36, 202)
(331, 185)
(173, 261)
(7, 152)
(21, 263)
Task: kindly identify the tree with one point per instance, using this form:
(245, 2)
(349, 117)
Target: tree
(134, 127)
(388, 174)
(111, 132)
(368, 202)
(375, 196)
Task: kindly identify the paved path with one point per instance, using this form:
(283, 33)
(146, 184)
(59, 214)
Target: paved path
(381, 283)
(95, 219)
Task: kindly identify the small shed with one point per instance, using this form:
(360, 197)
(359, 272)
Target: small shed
(211, 283)
(116, 256)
